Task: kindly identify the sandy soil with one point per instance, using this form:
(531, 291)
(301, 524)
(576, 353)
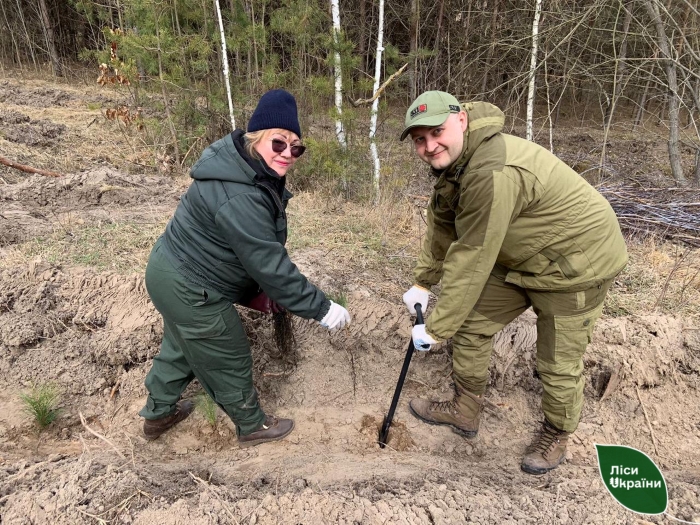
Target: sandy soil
(93, 333)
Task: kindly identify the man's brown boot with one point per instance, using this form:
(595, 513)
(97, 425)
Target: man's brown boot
(272, 429)
(152, 428)
(546, 451)
(462, 412)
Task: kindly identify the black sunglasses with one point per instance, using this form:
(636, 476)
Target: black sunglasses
(278, 146)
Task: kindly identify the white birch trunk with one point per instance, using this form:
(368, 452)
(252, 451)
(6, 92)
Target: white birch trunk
(224, 56)
(533, 68)
(338, 73)
(375, 104)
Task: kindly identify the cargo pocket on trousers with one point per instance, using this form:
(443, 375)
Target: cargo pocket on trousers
(239, 407)
(573, 334)
(211, 328)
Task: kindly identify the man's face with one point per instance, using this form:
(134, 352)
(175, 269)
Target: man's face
(441, 145)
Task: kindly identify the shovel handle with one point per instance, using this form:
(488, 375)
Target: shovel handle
(419, 314)
(384, 432)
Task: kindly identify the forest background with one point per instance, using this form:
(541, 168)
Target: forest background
(117, 99)
(629, 64)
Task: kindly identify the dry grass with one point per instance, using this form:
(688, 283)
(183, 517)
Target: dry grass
(360, 236)
(89, 139)
(122, 247)
(660, 277)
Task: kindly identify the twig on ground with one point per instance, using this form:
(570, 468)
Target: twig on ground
(339, 395)
(353, 372)
(100, 436)
(223, 503)
(420, 197)
(99, 520)
(128, 181)
(131, 444)
(115, 388)
(28, 169)
(646, 417)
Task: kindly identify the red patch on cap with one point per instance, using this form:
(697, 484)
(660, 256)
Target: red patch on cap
(418, 110)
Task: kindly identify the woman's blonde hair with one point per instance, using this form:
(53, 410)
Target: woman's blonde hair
(252, 139)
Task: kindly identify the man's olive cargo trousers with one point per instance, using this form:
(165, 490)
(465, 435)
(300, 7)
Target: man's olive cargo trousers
(564, 328)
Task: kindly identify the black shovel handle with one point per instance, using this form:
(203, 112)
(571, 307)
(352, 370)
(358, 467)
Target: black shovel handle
(399, 386)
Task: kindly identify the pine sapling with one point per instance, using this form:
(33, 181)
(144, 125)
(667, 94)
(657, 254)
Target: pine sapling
(42, 403)
(207, 407)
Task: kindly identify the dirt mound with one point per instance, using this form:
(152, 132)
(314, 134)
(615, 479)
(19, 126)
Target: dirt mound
(38, 205)
(94, 333)
(95, 187)
(20, 128)
(39, 96)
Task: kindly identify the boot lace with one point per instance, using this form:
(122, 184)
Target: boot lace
(548, 437)
(443, 406)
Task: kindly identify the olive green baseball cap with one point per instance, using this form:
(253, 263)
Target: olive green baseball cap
(430, 109)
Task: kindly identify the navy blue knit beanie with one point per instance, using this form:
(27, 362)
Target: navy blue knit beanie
(276, 109)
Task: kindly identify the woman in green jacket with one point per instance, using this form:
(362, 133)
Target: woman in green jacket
(224, 246)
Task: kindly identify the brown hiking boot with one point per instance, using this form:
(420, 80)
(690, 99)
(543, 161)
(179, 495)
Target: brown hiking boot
(152, 428)
(546, 451)
(462, 412)
(272, 429)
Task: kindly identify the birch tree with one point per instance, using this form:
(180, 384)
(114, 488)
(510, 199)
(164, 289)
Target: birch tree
(338, 74)
(375, 103)
(224, 58)
(533, 69)
(669, 66)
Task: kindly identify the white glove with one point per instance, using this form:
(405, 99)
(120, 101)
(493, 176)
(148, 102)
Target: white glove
(416, 294)
(422, 340)
(337, 317)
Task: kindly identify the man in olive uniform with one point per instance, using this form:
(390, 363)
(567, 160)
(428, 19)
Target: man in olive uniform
(510, 226)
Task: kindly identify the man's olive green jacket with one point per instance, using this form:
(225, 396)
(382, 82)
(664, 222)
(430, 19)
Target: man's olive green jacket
(510, 202)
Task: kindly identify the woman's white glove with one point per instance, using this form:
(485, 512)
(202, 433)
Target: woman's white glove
(337, 317)
(422, 340)
(416, 294)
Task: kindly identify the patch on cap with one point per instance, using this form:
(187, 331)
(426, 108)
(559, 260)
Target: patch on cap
(422, 108)
(431, 108)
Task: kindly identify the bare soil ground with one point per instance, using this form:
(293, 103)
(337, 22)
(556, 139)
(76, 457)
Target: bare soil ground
(74, 312)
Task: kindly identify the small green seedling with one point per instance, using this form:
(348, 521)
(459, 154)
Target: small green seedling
(339, 297)
(207, 407)
(42, 403)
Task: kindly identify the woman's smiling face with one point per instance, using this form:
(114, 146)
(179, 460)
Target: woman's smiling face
(280, 162)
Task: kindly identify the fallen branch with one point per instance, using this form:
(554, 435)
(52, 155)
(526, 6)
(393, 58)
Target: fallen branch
(646, 417)
(100, 436)
(363, 101)
(28, 169)
(671, 213)
(223, 503)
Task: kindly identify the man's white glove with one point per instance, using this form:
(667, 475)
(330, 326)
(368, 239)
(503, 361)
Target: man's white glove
(421, 339)
(416, 294)
(337, 317)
